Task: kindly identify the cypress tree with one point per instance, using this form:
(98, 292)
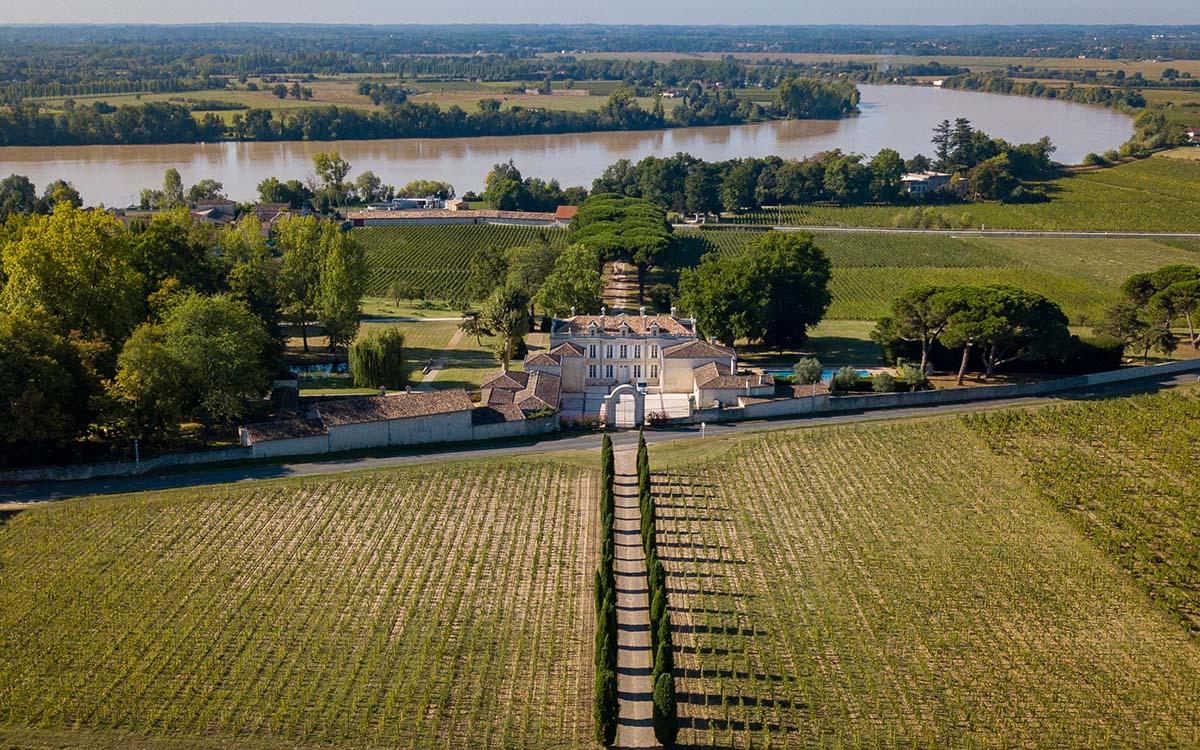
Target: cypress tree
(606, 707)
(666, 713)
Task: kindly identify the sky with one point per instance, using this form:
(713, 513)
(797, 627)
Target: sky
(610, 11)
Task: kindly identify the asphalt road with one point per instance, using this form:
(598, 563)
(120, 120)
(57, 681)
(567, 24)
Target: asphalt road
(13, 496)
(982, 232)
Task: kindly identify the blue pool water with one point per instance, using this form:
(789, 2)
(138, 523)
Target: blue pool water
(826, 375)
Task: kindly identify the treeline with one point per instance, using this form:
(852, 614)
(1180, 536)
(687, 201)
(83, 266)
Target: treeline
(664, 713)
(607, 704)
(165, 122)
(117, 333)
(356, 48)
(992, 167)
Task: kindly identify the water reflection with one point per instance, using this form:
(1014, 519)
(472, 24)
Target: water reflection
(895, 116)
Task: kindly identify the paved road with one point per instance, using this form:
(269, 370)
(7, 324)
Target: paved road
(635, 720)
(956, 232)
(42, 491)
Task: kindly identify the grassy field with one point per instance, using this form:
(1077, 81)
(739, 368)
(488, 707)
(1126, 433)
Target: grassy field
(826, 597)
(869, 269)
(1149, 195)
(435, 607)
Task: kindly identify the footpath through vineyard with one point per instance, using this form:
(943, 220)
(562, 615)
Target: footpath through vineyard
(635, 727)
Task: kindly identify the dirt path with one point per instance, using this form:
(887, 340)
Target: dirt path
(634, 728)
(440, 362)
(620, 287)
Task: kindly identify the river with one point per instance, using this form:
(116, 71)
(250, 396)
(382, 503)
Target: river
(899, 117)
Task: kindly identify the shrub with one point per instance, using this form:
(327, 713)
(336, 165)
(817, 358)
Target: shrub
(913, 376)
(808, 371)
(883, 382)
(377, 360)
(844, 379)
(658, 418)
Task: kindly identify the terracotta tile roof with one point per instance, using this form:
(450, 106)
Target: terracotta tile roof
(438, 213)
(542, 392)
(611, 324)
(567, 349)
(395, 406)
(496, 413)
(285, 429)
(716, 376)
(566, 213)
(509, 380)
(697, 349)
(543, 359)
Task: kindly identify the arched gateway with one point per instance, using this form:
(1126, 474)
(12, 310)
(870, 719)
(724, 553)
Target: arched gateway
(611, 400)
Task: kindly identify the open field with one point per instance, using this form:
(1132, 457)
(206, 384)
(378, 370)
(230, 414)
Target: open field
(433, 607)
(1149, 195)
(437, 258)
(900, 585)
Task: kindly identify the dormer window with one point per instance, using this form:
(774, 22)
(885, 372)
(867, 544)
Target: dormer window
(592, 328)
(624, 328)
(654, 328)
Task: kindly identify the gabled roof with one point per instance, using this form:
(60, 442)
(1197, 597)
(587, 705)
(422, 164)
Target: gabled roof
(566, 213)
(543, 359)
(395, 406)
(506, 380)
(567, 349)
(541, 392)
(696, 349)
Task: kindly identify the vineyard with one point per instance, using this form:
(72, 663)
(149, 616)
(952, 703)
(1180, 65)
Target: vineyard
(433, 607)
(901, 586)
(436, 258)
(1127, 472)
(1148, 195)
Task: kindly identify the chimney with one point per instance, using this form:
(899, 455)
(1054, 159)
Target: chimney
(674, 311)
(572, 311)
(762, 379)
(603, 314)
(642, 310)
(408, 389)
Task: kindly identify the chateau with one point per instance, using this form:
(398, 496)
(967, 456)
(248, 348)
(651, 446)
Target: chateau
(658, 357)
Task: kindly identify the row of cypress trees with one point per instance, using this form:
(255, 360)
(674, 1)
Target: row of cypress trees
(666, 716)
(607, 705)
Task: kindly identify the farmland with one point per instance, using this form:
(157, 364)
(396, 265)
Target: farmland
(1150, 195)
(436, 258)
(1128, 473)
(439, 606)
(825, 597)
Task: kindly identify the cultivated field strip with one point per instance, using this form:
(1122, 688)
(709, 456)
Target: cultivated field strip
(418, 608)
(900, 586)
(1128, 472)
(437, 258)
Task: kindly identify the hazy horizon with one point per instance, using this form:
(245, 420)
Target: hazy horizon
(680, 12)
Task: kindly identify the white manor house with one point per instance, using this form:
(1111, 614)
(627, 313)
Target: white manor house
(607, 366)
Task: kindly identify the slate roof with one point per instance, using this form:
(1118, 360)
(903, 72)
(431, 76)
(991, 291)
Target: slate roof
(394, 406)
(611, 324)
(284, 429)
(696, 349)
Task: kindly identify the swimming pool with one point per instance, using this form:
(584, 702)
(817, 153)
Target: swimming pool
(826, 375)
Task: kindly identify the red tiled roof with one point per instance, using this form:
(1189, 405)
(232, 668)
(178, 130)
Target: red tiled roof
(394, 406)
(612, 324)
(566, 213)
(284, 429)
(696, 349)
(508, 380)
(567, 349)
(715, 375)
(543, 359)
(542, 392)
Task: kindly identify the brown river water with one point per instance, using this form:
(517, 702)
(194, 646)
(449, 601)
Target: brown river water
(899, 117)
